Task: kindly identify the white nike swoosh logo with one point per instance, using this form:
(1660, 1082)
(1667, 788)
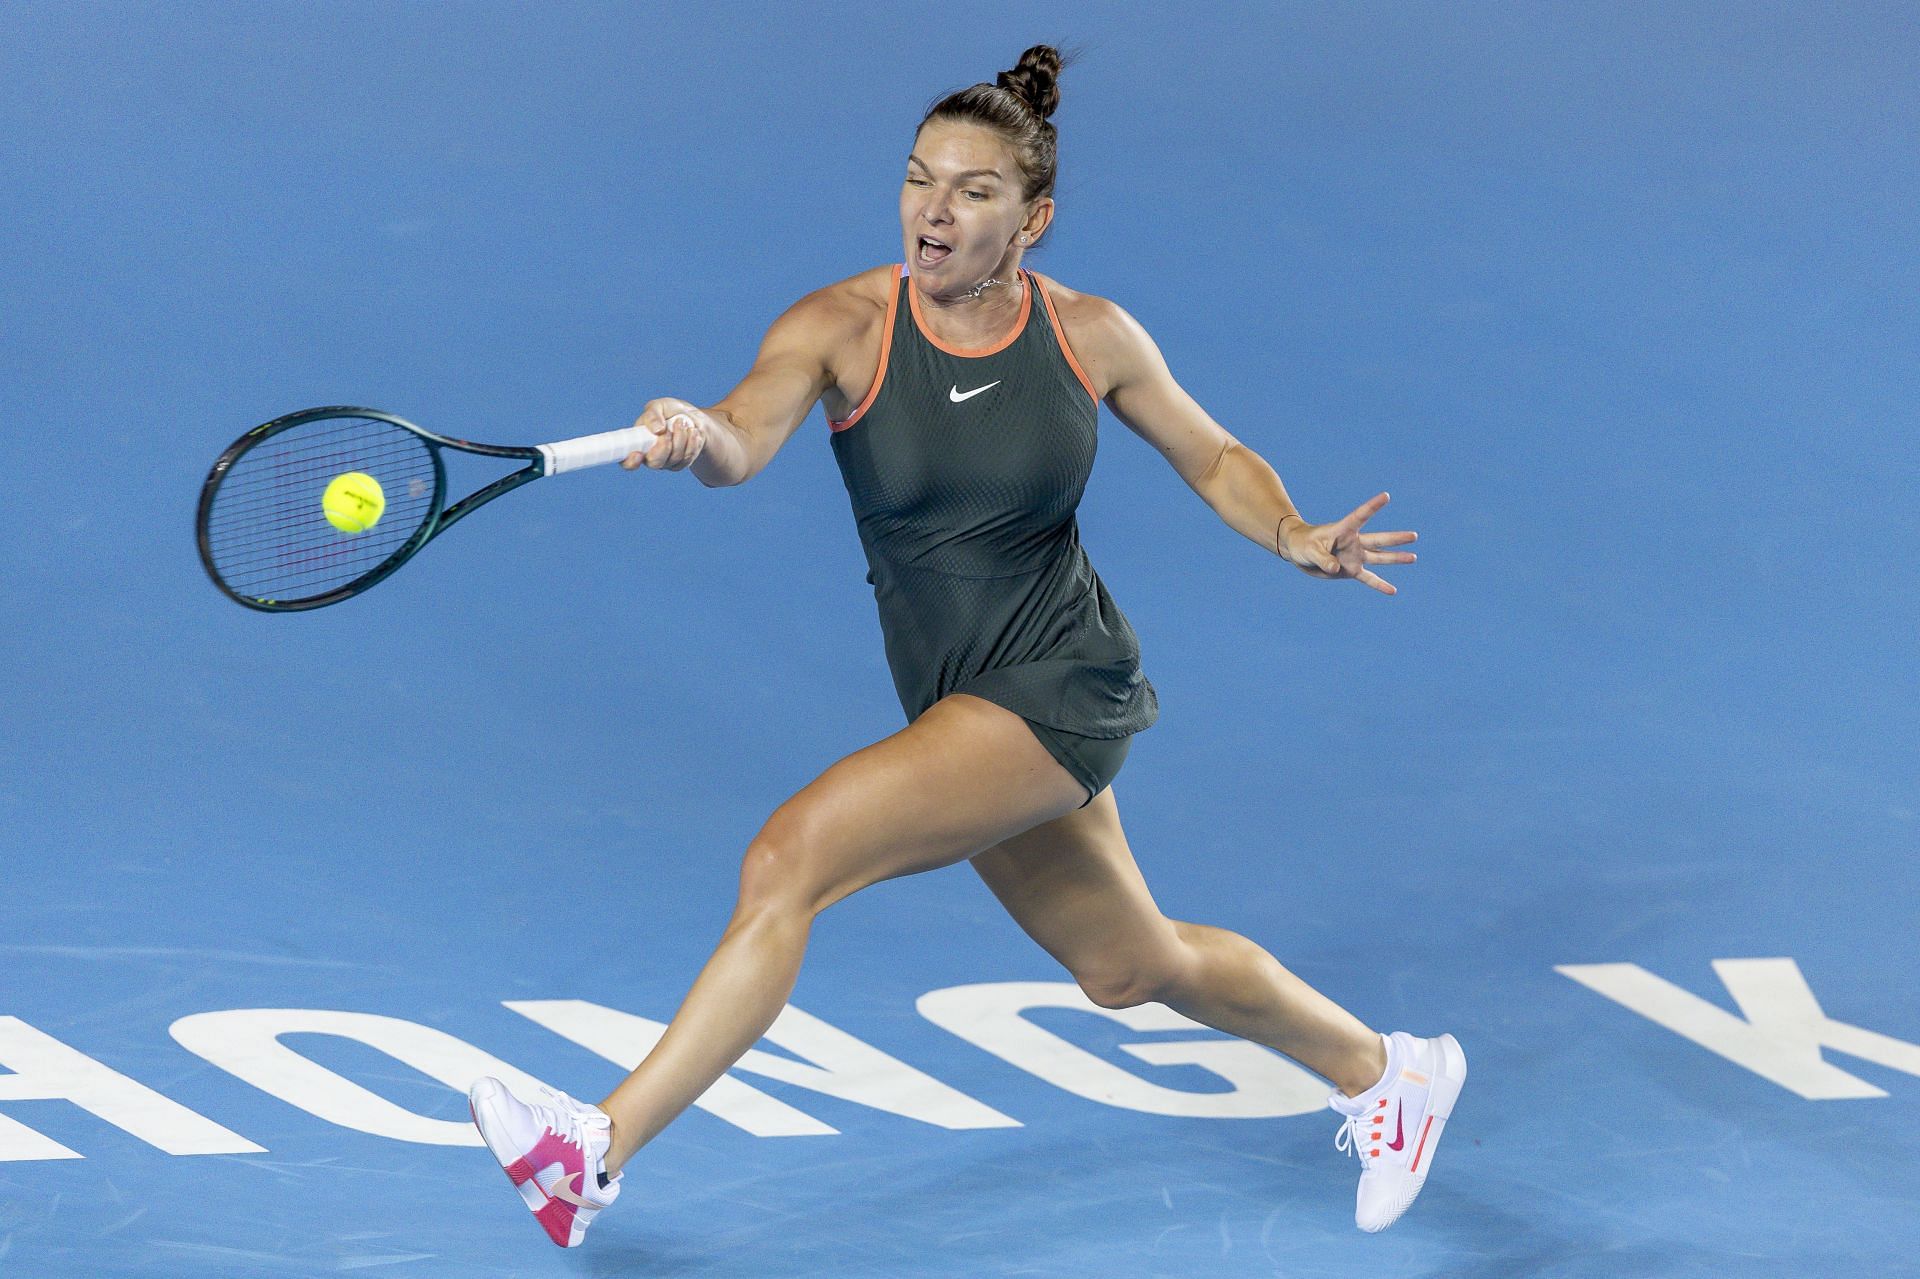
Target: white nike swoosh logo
(560, 1191)
(956, 395)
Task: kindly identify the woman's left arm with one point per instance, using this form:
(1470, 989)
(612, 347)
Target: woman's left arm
(1230, 477)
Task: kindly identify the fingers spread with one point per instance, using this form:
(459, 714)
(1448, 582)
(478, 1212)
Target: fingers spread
(1366, 510)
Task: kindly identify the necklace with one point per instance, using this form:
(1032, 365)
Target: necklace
(981, 287)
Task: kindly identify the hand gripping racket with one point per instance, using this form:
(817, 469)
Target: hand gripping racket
(274, 536)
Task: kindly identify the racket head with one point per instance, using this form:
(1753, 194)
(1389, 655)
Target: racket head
(263, 534)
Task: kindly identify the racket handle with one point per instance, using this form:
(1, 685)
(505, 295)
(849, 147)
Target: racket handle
(595, 450)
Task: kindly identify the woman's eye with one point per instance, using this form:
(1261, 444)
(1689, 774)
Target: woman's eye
(978, 195)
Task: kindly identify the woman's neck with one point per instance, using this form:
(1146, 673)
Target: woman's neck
(977, 313)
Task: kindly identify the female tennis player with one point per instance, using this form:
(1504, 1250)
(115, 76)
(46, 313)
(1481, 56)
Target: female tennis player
(961, 390)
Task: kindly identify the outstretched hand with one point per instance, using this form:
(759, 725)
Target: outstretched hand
(1340, 549)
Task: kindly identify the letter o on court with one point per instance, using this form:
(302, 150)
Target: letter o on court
(245, 1042)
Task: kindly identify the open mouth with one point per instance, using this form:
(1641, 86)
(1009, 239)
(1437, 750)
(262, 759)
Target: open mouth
(932, 251)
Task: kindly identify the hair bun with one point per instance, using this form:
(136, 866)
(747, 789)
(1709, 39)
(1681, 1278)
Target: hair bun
(1035, 80)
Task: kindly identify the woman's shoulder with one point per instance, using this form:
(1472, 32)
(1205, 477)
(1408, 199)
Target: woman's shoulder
(858, 295)
(1063, 297)
(1092, 326)
(827, 319)
(844, 322)
(1086, 316)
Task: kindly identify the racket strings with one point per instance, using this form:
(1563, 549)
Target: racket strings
(288, 491)
(267, 532)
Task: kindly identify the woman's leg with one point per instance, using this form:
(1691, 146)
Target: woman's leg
(1072, 884)
(964, 776)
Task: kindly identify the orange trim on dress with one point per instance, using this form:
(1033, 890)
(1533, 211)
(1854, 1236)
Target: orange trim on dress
(886, 345)
(1060, 335)
(971, 353)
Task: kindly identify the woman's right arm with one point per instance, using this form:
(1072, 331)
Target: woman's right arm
(730, 442)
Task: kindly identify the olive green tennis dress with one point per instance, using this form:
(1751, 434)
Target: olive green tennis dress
(965, 468)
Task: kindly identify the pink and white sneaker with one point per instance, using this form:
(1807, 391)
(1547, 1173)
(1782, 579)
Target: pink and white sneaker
(553, 1150)
(1411, 1102)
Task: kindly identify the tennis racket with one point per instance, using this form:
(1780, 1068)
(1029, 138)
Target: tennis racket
(264, 529)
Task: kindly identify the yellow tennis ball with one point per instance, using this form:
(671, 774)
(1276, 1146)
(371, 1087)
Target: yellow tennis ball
(354, 502)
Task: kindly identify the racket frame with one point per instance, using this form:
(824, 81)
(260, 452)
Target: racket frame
(439, 519)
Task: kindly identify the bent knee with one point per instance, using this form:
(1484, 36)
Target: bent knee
(1122, 990)
(1139, 973)
(1145, 966)
(1128, 985)
(779, 872)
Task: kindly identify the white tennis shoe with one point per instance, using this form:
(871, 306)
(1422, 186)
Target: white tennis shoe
(553, 1150)
(1395, 1126)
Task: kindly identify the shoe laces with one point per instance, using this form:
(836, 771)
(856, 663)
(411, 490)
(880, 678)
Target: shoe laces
(574, 1116)
(1358, 1136)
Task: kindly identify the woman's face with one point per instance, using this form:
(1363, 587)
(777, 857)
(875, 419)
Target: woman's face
(962, 189)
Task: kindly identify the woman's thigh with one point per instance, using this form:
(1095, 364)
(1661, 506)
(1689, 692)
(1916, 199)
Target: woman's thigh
(964, 776)
(1073, 886)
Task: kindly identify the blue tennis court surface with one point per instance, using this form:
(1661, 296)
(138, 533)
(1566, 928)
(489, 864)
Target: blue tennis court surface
(1620, 789)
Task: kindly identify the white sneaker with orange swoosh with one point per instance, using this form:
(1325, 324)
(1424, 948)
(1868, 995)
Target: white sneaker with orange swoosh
(553, 1150)
(1394, 1127)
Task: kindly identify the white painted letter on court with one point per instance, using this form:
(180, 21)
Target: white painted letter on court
(1783, 1033)
(47, 1070)
(245, 1042)
(841, 1066)
(988, 1015)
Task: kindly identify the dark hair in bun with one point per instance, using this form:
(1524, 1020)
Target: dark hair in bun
(1036, 80)
(1016, 106)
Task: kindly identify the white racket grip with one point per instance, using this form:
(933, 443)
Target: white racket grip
(595, 450)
